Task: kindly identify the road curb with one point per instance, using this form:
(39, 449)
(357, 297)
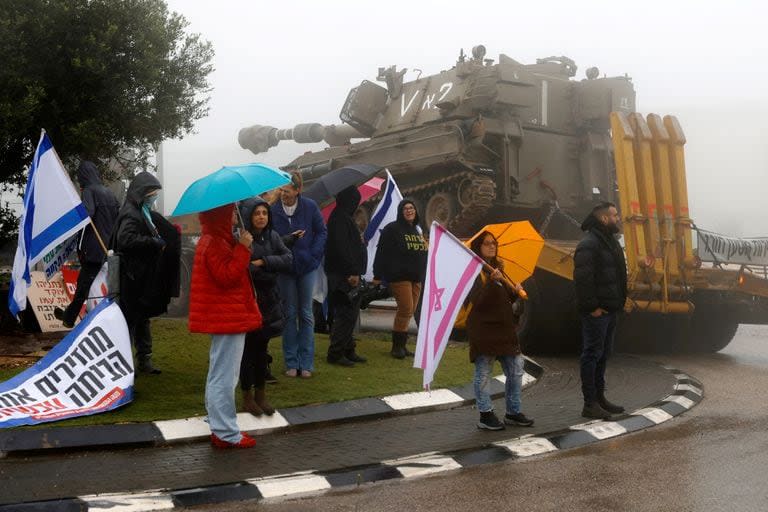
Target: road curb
(687, 393)
(162, 433)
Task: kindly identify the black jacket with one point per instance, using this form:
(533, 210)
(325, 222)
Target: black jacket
(269, 246)
(149, 257)
(402, 251)
(345, 253)
(600, 270)
(102, 206)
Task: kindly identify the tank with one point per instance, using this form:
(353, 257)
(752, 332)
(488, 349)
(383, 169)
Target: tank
(481, 142)
(493, 141)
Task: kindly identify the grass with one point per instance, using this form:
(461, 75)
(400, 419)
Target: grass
(183, 357)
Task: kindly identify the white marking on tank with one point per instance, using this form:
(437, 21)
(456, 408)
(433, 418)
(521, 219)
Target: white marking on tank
(405, 108)
(443, 93)
(428, 102)
(544, 102)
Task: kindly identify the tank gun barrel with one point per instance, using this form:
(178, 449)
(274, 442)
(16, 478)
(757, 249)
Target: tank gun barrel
(259, 138)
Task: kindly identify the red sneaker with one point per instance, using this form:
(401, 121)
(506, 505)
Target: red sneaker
(246, 441)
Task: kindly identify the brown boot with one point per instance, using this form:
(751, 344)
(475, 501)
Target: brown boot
(249, 402)
(261, 400)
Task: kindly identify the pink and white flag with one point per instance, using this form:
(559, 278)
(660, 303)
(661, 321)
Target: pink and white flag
(451, 270)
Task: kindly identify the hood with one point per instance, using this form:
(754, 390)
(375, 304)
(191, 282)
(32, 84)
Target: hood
(401, 217)
(217, 222)
(142, 184)
(246, 211)
(590, 222)
(347, 201)
(88, 174)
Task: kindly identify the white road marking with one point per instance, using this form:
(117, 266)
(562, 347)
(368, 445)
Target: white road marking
(424, 464)
(654, 414)
(422, 399)
(138, 502)
(528, 446)
(601, 429)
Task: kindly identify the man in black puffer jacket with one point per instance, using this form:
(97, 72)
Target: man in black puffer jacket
(345, 261)
(600, 277)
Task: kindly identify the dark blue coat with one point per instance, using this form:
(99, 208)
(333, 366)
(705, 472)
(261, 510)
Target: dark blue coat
(102, 206)
(308, 250)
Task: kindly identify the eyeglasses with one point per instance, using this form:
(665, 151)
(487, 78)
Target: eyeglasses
(409, 209)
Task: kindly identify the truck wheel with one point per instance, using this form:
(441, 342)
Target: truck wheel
(441, 207)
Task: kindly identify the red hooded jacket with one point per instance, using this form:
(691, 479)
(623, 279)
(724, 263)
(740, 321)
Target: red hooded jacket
(221, 296)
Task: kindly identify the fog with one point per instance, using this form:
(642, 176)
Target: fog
(282, 63)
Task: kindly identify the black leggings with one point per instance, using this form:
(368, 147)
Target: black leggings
(253, 368)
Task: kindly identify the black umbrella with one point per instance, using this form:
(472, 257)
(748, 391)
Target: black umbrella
(324, 190)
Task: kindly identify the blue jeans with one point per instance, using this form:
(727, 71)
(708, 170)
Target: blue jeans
(597, 344)
(299, 331)
(223, 371)
(513, 370)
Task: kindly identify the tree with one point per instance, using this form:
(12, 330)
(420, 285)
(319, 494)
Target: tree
(108, 80)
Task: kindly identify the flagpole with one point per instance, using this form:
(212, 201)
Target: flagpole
(93, 226)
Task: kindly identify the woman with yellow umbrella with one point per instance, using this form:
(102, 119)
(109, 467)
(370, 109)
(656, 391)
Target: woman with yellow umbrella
(492, 318)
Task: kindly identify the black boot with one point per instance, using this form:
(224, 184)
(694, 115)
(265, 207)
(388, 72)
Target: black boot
(593, 411)
(398, 344)
(408, 353)
(145, 366)
(608, 406)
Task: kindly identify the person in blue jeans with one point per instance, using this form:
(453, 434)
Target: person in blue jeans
(299, 221)
(491, 329)
(600, 279)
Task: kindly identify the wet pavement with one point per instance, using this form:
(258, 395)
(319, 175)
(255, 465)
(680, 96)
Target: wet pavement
(554, 402)
(715, 457)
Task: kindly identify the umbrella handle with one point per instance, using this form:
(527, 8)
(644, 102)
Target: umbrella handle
(522, 293)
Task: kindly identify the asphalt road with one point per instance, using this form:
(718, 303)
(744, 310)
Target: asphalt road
(712, 458)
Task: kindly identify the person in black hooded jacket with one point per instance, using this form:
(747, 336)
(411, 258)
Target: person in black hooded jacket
(102, 207)
(401, 261)
(269, 256)
(600, 278)
(345, 261)
(150, 253)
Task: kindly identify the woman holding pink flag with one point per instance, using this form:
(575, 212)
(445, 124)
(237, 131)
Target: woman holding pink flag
(491, 328)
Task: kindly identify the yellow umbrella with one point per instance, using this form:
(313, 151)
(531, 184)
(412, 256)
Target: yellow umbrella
(519, 248)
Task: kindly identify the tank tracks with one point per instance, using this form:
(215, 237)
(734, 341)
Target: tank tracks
(477, 196)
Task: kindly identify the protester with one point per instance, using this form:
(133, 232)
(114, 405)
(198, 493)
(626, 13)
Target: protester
(298, 218)
(345, 261)
(401, 261)
(600, 278)
(223, 305)
(102, 207)
(491, 328)
(150, 250)
(268, 257)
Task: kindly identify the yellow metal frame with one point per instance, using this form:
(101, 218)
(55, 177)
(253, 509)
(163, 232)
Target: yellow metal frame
(662, 270)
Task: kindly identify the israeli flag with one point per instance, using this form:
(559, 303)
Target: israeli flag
(385, 212)
(52, 213)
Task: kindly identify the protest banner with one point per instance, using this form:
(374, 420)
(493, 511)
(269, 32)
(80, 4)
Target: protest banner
(88, 372)
(44, 296)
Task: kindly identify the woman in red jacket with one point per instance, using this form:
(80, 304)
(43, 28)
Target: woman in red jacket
(222, 304)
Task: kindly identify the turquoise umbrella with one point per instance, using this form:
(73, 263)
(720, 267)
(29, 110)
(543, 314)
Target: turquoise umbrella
(228, 185)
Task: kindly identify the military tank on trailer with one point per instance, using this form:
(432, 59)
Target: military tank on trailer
(489, 141)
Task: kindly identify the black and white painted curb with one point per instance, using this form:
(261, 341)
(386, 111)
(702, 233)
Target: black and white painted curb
(687, 393)
(160, 433)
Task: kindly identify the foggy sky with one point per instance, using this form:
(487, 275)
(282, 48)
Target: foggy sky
(283, 63)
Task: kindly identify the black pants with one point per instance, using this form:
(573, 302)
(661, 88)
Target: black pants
(88, 272)
(253, 367)
(141, 336)
(345, 313)
(597, 344)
